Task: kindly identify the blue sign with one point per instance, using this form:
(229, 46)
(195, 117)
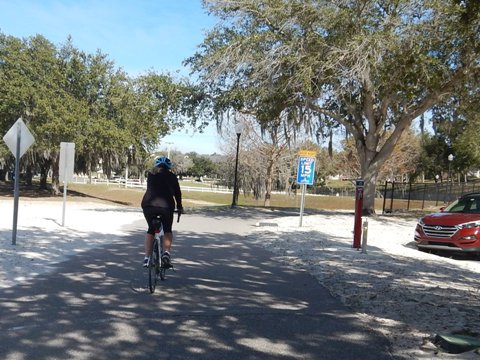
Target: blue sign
(306, 170)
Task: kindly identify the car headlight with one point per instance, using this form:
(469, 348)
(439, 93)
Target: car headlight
(469, 225)
(420, 222)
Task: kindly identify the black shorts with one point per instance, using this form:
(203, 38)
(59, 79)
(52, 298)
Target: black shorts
(151, 213)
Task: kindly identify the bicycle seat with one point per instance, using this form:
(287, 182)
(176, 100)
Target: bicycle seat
(156, 222)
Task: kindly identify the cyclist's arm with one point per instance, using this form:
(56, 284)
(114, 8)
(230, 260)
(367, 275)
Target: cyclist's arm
(177, 194)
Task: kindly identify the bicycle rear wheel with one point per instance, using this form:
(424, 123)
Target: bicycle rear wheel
(153, 268)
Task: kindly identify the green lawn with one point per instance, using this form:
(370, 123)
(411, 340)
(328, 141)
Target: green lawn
(132, 197)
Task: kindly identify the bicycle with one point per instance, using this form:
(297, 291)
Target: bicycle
(156, 268)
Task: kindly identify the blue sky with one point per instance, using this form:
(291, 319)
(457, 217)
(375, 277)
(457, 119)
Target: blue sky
(138, 35)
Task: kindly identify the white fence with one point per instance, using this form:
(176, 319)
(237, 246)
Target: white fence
(136, 183)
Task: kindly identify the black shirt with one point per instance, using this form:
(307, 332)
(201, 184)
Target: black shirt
(163, 190)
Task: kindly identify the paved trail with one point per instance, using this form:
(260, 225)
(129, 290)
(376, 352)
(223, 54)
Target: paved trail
(227, 299)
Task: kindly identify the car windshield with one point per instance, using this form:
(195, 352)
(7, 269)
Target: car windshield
(466, 204)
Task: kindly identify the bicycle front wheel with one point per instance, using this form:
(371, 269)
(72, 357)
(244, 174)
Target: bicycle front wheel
(163, 270)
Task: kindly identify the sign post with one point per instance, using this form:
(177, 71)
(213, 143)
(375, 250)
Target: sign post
(67, 161)
(305, 174)
(18, 139)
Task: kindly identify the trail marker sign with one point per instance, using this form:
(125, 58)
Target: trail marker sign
(306, 170)
(305, 174)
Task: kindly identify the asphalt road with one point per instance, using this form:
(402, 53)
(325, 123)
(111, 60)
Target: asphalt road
(227, 299)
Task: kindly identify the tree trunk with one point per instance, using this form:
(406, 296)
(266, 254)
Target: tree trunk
(28, 175)
(369, 192)
(55, 176)
(89, 168)
(370, 164)
(44, 167)
(268, 182)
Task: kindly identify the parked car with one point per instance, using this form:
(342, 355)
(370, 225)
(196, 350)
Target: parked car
(456, 228)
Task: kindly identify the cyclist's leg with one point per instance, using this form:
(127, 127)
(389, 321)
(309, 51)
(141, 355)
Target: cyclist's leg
(148, 244)
(149, 214)
(167, 222)
(167, 245)
(167, 241)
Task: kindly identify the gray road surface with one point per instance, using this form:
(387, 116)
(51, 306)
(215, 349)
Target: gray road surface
(227, 299)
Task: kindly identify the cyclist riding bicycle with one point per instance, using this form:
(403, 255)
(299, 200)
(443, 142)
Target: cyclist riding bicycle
(163, 192)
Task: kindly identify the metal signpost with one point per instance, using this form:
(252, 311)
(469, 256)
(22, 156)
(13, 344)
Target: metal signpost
(65, 170)
(18, 139)
(305, 174)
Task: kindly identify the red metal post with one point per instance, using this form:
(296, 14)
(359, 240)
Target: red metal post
(357, 228)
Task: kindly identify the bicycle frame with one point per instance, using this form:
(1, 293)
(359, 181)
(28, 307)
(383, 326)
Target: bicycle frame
(155, 266)
(158, 239)
(155, 269)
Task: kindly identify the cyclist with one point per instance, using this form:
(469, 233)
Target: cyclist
(163, 192)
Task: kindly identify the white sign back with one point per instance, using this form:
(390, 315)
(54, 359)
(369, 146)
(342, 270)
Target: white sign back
(67, 161)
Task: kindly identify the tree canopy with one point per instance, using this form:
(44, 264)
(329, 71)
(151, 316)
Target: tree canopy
(65, 94)
(368, 67)
(371, 66)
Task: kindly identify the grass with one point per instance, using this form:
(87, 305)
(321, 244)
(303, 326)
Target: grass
(133, 197)
(193, 199)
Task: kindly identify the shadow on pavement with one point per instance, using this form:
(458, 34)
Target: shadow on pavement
(227, 299)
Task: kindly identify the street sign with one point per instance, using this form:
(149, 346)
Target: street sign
(67, 161)
(307, 153)
(306, 170)
(19, 131)
(18, 139)
(305, 174)
(65, 170)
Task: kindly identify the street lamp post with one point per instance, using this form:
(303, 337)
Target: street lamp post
(238, 131)
(450, 159)
(168, 148)
(129, 153)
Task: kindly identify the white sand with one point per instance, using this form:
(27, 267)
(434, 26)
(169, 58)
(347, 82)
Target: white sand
(41, 239)
(404, 293)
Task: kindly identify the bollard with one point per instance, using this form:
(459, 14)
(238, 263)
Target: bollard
(357, 227)
(364, 237)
